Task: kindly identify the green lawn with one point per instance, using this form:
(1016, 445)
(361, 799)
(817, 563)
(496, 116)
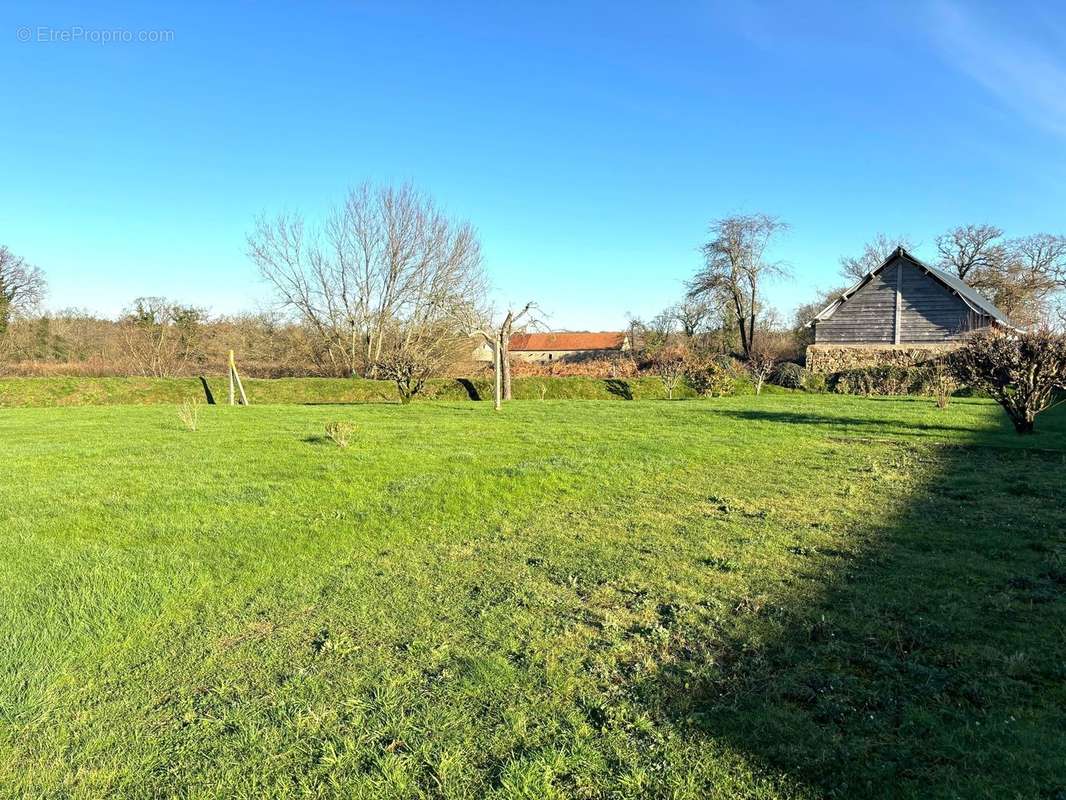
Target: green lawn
(785, 596)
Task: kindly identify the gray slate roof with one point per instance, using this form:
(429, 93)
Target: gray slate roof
(974, 299)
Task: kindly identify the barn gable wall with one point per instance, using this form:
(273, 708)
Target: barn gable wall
(867, 317)
(930, 312)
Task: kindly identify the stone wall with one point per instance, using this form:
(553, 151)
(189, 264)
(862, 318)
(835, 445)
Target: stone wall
(830, 358)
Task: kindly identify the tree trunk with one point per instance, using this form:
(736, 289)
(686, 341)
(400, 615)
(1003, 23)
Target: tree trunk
(505, 353)
(497, 395)
(506, 361)
(1024, 424)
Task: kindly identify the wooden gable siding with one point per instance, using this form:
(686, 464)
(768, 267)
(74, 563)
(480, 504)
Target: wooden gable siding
(929, 312)
(868, 316)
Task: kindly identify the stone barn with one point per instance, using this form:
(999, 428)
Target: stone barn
(543, 348)
(902, 313)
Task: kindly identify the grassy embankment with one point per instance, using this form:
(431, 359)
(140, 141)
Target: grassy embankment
(310, 391)
(786, 596)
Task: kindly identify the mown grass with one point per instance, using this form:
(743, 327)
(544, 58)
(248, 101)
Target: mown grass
(785, 596)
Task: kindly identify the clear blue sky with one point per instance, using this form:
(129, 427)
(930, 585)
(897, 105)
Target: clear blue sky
(589, 143)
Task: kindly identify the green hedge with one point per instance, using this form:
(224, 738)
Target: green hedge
(882, 380)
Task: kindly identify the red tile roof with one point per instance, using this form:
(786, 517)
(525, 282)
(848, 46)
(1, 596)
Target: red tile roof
(604, 340)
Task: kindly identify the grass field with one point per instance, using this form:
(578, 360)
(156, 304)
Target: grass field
(784, 596)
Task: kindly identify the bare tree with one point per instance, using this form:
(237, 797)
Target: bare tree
(513, 322)
(693, 314)
(669, 363)
(162, 338)
(498, 338)
(22, 287)
(736, 266)
(387, 262)
(1020, 275)
(874, 253)
(768, 349)
(411, 357)
(1033, 271)
(969, 250)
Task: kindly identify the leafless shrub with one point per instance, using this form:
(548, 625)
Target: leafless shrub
(189, 414)
(941, 383)
(669, 363)
(340, 432)
(414, 356)
(1023, 371)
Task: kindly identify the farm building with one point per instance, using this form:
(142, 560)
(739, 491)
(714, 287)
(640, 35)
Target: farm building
(542, 348)
(903, 312)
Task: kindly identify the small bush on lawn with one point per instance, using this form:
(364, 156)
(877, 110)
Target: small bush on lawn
(941, 382)
(789, 375)
(340, 433)
(189, 415)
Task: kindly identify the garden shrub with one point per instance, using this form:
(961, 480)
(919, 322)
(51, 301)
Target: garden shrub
(1025, 372)
(889, 380)
(815, 382)
(708, 377)
(789, 375)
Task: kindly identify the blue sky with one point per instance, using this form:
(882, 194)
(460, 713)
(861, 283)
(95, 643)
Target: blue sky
(589, 143)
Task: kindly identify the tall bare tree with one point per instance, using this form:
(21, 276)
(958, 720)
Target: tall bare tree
(969, 250)
(735, 267)
(1033, 272)
(874, 253)
(1019, 275)
(387, 263)
(22, 287)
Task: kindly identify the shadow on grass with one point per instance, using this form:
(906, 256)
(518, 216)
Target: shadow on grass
(469, 387)
(619, 388)
(930, 662)
(834, 422)
(375, 401)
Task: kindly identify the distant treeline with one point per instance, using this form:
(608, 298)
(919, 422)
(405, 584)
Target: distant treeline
(158, 338)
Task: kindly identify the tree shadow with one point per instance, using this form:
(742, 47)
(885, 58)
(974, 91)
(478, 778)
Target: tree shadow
(471, 390)
(619, 388)
(210, 398)
(807, 419)
(925, 662)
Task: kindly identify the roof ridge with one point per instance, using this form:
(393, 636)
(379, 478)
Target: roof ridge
(973, 298)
